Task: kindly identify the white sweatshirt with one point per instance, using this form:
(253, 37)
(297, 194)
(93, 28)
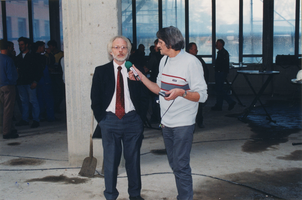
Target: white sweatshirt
(182, 71)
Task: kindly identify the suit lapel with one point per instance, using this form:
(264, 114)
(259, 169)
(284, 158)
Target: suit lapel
(111, 78)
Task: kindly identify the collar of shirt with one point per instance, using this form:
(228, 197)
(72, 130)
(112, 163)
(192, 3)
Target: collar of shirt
(124, 70)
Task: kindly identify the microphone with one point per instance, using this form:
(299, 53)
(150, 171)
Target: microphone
(128, 65)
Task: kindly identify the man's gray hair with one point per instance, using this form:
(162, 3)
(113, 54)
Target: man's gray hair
(109, 46)
(172, 37)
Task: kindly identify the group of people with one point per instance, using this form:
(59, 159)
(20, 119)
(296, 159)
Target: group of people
(32, 79)
(119, 98)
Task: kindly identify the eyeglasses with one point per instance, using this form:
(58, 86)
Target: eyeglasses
(118, 47)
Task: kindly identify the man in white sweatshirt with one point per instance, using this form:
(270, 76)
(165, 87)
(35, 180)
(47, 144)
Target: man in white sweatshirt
(182, 86)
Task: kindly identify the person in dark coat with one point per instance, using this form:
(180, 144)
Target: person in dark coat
(30, 74)
(221, 72)
(119, 106)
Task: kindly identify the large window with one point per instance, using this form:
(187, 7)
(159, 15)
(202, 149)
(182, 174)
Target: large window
(252, 30)
(36, 26)
(127, 26)
(146, 23)
(200, 26)
(227, 26)
(61, 25)
(47, 29)
(22, 27)
(40, 19)
(174, 14)
(9, 27)
(226, 17)
(284, 27)
(17, 10)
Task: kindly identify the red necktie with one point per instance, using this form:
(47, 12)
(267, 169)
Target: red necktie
(120, 104)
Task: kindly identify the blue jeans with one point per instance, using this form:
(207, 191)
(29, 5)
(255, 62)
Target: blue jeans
(178, 143)
(221, 94)
(45, 99)
(27, 96)
(126, 133)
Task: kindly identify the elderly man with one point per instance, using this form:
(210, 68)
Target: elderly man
(119, 106)
(180, 82)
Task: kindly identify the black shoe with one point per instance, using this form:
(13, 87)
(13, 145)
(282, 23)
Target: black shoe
(22, 123)
(10, 136)
(231, 106)
(42, 119)
(136, 198)
(200, 125)
(214, 108)
(35, 124)
(14, 131)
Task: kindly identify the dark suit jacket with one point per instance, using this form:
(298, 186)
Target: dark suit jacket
(102, 90)
(222, 61)
(29, 69)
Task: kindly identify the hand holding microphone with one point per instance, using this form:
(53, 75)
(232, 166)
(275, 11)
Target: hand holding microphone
(129, 65)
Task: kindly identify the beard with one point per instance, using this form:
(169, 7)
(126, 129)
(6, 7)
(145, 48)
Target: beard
(120, 59)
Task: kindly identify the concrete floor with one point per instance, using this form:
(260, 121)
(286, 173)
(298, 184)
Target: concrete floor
(229, 159)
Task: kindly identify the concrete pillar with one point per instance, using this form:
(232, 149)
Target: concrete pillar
(88, 25)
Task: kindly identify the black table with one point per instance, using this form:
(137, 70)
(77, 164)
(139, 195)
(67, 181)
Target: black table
(269, 75)
(230, 84)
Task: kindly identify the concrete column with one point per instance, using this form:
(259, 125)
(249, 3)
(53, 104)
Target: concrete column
(88, 25)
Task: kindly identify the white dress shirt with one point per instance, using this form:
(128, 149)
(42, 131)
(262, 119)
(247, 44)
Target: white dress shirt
(128, 103)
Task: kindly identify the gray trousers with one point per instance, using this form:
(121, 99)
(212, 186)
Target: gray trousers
(8, 97)
(178, 143)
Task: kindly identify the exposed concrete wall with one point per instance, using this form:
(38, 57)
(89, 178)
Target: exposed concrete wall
(87, 27)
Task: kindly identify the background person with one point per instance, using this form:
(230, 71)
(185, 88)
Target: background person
(44, 88)
(29, 75)
(221, 72)
(56, 74)
(192, 49)
(8, 81)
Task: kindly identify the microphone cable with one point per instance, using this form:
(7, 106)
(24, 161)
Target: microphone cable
(166, 112)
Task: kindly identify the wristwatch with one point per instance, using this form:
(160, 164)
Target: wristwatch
(185, 94)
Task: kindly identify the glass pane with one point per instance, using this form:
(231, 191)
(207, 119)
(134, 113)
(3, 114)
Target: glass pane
(284, 27)
(252, 29)
(61, 25)
(17, 21)
(200, 25)
(174, 14)
(127, 19)
(227, 26)
(1, 25)
(252, 59)
(41, 21)
(300, 23)
(147, 23)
